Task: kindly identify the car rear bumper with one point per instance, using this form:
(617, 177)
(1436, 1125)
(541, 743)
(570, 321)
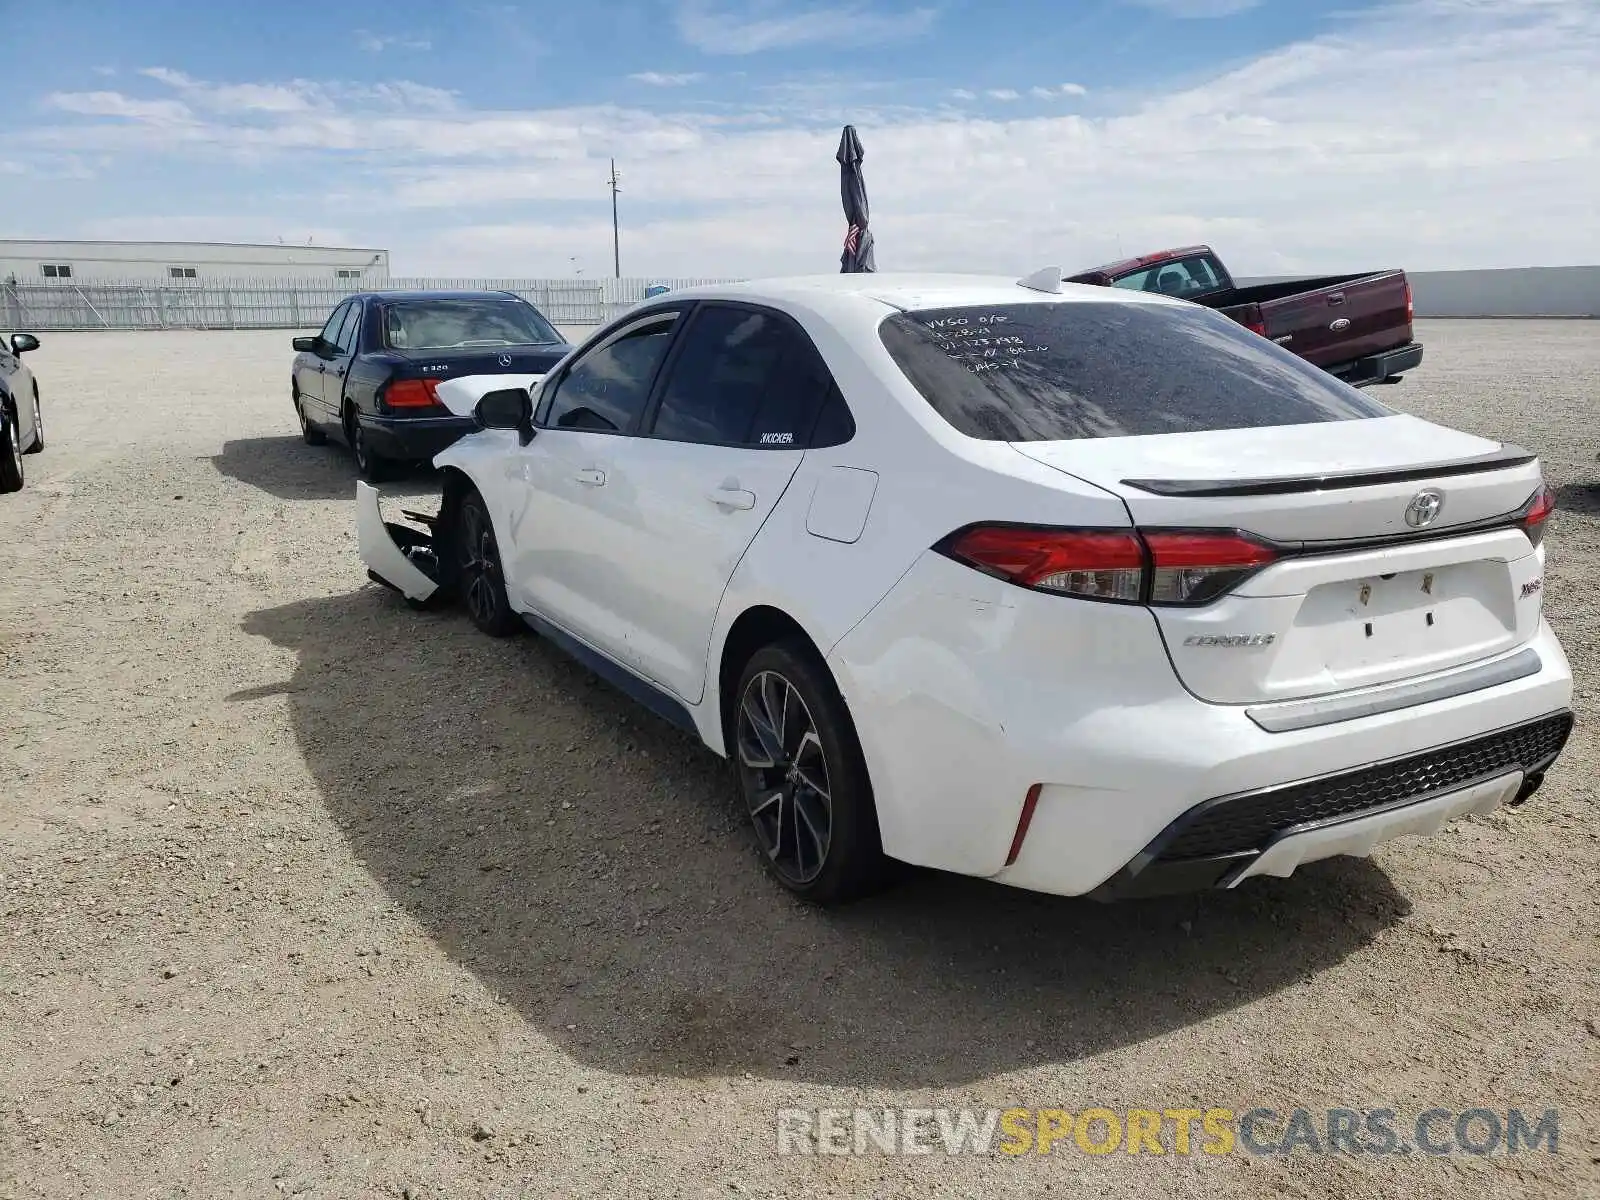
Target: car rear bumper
(413, 437)
(1386, 367)
(969, 693)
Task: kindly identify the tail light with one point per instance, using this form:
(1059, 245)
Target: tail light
(1195, 567)
(412, 393)
(1127, 566)
(1536, 513)
(1257, 326)
(1411, 308)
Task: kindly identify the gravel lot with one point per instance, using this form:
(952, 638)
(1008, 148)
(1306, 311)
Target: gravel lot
(303, 892)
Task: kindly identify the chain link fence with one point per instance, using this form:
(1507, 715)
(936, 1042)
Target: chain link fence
(66, 304)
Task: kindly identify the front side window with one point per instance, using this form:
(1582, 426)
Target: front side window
(1037, 372)
(330, 331)
(465, 324)
(606, 389)
(742, 378)
(349, 330)
(1187, 278)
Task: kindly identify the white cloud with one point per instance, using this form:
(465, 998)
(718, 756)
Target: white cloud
(115, 104)
(716, 27)
(377, 43)
(964, 94)
(1197, 8)
(667, 78)
(1429, 134)
(1004, 94)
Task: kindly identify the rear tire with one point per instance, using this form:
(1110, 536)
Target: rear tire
(803, 778)
(38, 426)
(309, 433)
(370, 465)
(11, 473)
(479, 577)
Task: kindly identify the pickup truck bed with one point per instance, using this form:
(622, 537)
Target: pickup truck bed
(1357, 327)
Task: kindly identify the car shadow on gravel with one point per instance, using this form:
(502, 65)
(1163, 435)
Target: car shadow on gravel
(589, 863)
(289, 469)
(1579, 497)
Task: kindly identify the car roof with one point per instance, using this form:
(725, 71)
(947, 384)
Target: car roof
(905, 291)
(440, 294)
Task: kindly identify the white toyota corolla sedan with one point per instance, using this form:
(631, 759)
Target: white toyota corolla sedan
(1074, 589)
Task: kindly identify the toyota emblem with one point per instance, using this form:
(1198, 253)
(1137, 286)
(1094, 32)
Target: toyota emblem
(1424, 508)
(505, 360)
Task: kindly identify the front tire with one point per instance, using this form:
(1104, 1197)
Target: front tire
(38, 426)
(11, 473)
(803, 779)
(479, 577)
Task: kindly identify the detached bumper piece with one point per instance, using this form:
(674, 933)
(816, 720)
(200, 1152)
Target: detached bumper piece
(397, 556)
(1220, 842)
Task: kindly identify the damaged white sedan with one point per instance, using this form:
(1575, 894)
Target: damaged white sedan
(1083, 591)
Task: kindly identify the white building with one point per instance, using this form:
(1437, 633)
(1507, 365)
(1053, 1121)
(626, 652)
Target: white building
(28, 261)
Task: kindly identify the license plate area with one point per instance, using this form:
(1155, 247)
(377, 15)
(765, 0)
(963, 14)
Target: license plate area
(1421, 619)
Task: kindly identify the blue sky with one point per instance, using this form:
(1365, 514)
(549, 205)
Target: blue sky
(474, 138)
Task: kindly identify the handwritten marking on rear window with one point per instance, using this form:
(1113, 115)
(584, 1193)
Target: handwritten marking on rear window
(977, 343)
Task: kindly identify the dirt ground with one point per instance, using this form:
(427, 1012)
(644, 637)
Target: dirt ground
(304, 893)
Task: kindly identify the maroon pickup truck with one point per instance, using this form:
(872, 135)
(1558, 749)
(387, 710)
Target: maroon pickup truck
(1357, 327)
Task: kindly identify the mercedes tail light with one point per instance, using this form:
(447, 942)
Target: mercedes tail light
(1128, 566)
(1536, 513)
(412, 393)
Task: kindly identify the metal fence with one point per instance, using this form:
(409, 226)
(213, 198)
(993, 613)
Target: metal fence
(284, 303)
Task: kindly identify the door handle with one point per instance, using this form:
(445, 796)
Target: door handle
(733, 499)
(591, 477)
(1336, 299)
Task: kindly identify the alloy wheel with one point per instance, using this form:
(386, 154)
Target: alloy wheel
(786, 779)
(480, 565)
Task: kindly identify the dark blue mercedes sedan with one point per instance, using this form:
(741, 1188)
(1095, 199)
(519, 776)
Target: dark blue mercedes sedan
(371, 377)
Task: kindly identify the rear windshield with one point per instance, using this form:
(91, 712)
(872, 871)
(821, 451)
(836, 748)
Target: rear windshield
(1187, 278)
(1056, 371)
(464, 324)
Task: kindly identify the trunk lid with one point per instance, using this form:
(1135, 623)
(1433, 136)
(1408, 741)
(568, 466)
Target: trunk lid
(1350, 320)
(478, 360)
(1335, 611)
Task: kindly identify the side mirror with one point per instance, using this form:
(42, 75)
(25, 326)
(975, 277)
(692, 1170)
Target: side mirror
(21, 343)
(506, 408)
(305, 345)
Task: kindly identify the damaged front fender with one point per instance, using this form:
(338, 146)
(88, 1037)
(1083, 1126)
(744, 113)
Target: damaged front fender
(397, 556)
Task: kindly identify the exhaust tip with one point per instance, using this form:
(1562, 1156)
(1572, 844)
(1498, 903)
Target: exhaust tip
(1530, 785)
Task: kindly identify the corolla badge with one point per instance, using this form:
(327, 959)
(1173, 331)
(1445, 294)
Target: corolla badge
(1425, 506)
(504, 360)
(1340, 325)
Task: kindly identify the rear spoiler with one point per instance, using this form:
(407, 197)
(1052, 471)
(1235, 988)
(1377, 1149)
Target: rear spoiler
(1496, 460)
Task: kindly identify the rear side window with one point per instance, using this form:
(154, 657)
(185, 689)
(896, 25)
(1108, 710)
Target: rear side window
(1058, 371)
(743, 377)
(606, 389)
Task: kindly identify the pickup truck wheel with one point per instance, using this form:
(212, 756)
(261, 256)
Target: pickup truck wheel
(480, 579)
(803, 778)
(38, 426)
(309, 433)
(11, 473)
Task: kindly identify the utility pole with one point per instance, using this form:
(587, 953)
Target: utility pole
(616, 241)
